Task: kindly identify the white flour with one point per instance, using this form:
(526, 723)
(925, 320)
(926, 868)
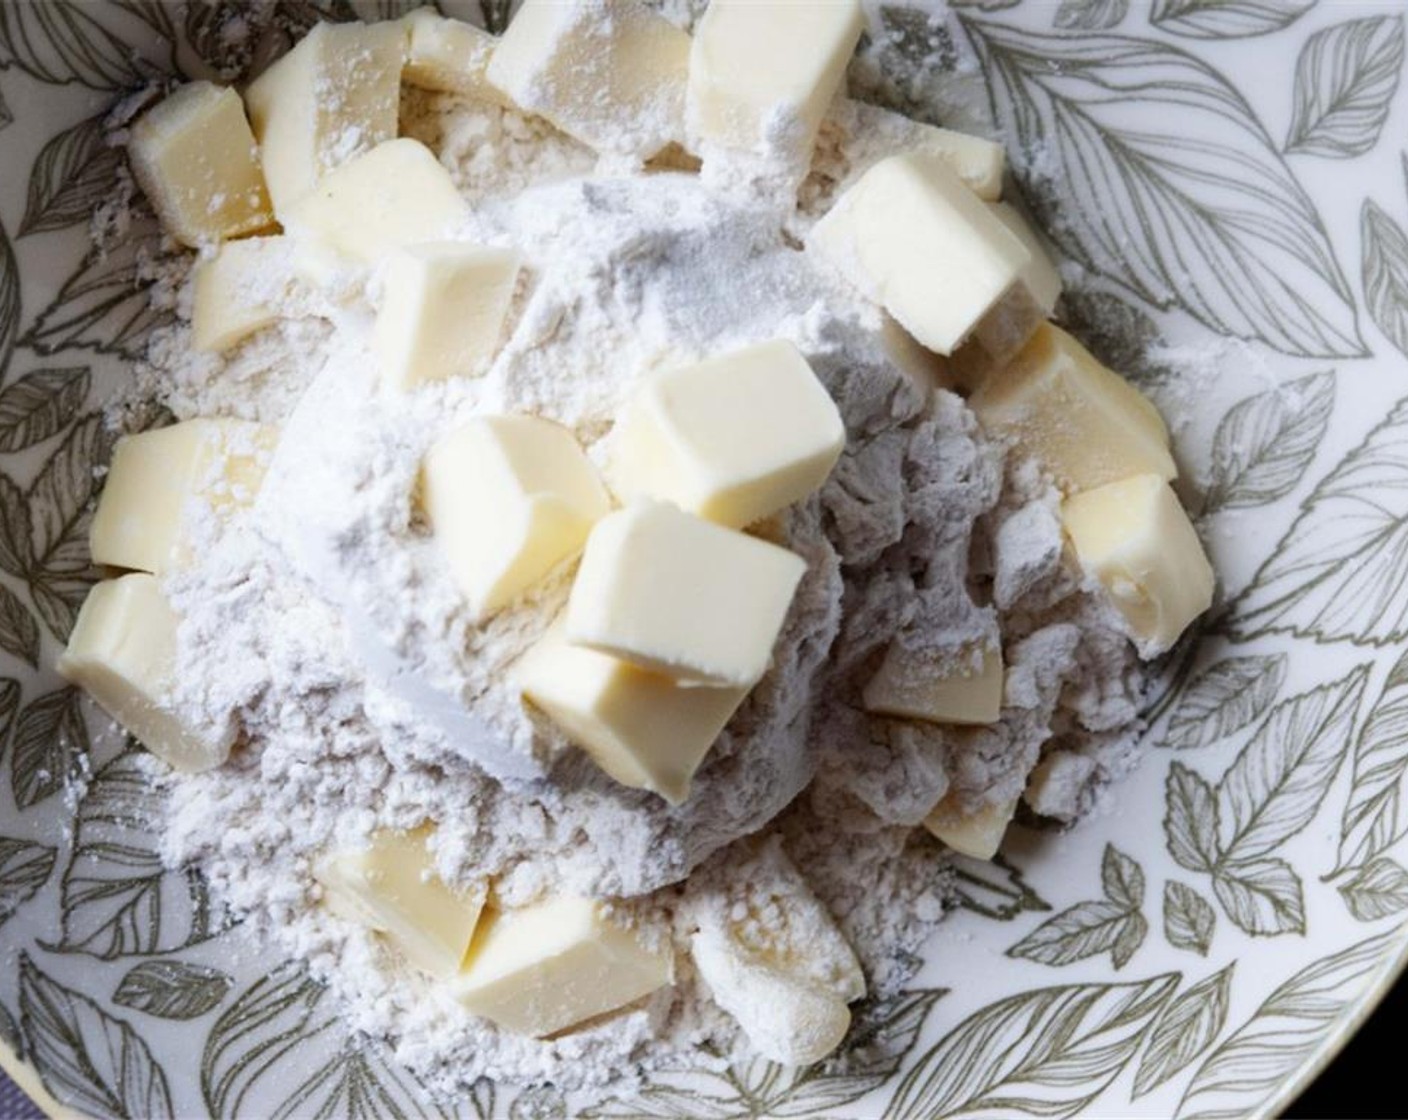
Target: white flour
(325, 626)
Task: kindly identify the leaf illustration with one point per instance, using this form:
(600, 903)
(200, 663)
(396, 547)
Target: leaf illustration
(1072, 935)
(19, 634)
(1264, 443)
(7, 117)
(1223, 699)
(1148, 208)
(94, 45)
(117, 898)
(1226, 19)
(86, 1057)
(1346, 77)
(1385, 272)
(1261, 896)
(24, 868)
(9, 301)
(1281, 1036)
(1047, 1052)
(1090, 15)
(995, 889)
(10, 1033)
(74, 172)
(1189, 1024)
(39, 405)
(1276, 784)
(1378, 889)
(1122, 878)
(172, 989)
(9, 707)
(51, 746)
(1189, 918)
(1372, 818)
(1190, 819)
(15, 546)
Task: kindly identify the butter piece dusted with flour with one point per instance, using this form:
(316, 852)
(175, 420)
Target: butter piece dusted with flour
(196, 160)
(978, 162)
(675, 594)
(978, 834)
(733, 439)
(334, 95)
(545, 968)
(391, 886)
(122, 652)
(1084, 423)
(508, 498)
(914, 237)
(612, 75)
(763, 72)
(395, 195)
(442, 312)
(447, 55)
(644, 729)
(1042, 281)
(1135, 538)
(237, 292)
(159, 479)
(905, 686)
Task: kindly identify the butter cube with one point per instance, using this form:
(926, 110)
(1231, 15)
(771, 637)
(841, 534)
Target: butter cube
(442, 311)
(675, 594)
(612, 76)
(391, 886)
(978, 835)
(732, 439)
(1042, 281)
(447, 55)
(762, 73)
(540, 970)
(1084, 423)
(1135, 538)
(161, 479)
(122, 652)
(334, 95)
(194, 157)
(644, 729)
(508, 498)
(904, 687)
(237, 292)
(979, 163)
(395, 195)
(912, 236)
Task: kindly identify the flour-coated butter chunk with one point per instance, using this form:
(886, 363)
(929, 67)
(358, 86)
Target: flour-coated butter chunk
(196, 160)
(160, 481)
(763, 72)
(395, 195)
(675, 594)
(1135, 538)
(237, 292)
(447, 55)
(1084, 423)
(978, 162)
(1040, 277)
(645, 729)
(122, 652)
(978, 834)
(904, 686)
(545, 968)
(732, 439)
(334, 95)
(391, 886)
(910, 234)
(442, 311)
(611, 75)
(508, 498)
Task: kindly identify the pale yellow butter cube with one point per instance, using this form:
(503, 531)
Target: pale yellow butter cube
(1083, 423)
(978, 162)
(1135, 538)
(978, 834)
(912, 236)
(158, 480)
(395, 195)
(644, 729)
(122, 652)
(545, 968)
(238, 292)
(676, 594)
(194, 157)
(732, 439)
(762, 73)
(447, 55)
(508, 498)
(1042, 281)
(611, 75)
(442, 311)
(905, 687)
(391, 886)
(334, 95)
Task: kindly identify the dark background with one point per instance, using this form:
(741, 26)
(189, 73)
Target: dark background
(1356, 1084)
